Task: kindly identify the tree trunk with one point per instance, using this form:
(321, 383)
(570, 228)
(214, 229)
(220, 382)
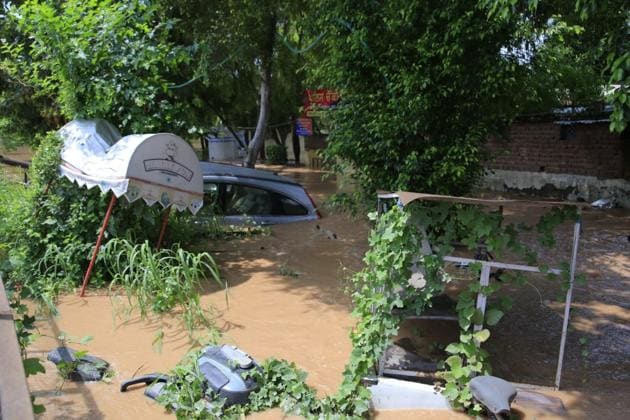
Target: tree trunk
(265, 91)
(296, 142)
(263, 116)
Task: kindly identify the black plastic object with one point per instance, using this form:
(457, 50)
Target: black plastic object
(144, 379)
(223, 369)
(88, 368)
(495, 394)
(155, 390)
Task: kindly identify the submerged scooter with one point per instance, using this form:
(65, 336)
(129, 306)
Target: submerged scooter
(223, 369)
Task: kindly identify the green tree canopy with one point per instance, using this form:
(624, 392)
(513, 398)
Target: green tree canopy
(22, 117)
(149, 65)
(422, 85)
(580, 51)
(98, 59)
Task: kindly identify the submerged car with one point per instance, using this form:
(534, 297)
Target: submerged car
(239, 195)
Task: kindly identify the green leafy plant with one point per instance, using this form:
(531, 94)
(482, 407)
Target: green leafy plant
(356, 203)
(49, 228)
(276, 154)
(188, 229)
(25, 333)
(281, 384)
(97, 59)
(68, 369)
(65, 369)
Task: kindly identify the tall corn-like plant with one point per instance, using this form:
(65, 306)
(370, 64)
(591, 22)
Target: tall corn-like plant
(160, 281)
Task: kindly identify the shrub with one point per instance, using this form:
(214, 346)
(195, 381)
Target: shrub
(276, 154)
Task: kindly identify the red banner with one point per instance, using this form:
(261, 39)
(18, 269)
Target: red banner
(322, 98)
(316, 100)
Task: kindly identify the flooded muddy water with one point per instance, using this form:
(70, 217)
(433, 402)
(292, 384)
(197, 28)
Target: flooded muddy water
(286, 299)
(14, 173)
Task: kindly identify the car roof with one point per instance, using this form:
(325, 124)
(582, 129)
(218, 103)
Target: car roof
(222, 169)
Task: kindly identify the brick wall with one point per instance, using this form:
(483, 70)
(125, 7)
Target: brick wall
(588, 149)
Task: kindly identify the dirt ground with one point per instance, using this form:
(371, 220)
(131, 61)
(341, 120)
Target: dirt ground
(306, 318)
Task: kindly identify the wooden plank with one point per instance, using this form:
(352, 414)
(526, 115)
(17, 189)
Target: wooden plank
(14, 162)
(15, 399)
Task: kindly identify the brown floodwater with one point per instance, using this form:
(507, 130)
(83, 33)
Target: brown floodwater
(305, 318)
(14, 173)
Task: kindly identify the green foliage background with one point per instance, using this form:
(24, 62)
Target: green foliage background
(424, 83)
(422, 87)
(98, 59)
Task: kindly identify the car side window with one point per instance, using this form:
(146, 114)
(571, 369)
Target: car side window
(289, 207)
(211, 199)
(240, 199)
(247, 200)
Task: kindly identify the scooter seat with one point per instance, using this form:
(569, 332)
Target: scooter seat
(495, 394)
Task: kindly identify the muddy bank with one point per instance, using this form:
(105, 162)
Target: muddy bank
(286, 300)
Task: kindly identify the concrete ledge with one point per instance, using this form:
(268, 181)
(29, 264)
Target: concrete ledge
(15, 399)
(395, 394)
(565, 186)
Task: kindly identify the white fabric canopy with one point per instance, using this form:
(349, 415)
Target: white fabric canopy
(160, 168)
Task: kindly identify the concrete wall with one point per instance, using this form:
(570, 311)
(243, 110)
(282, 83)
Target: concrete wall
(561, 186)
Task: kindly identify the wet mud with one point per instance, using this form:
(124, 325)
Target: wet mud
(287, 300)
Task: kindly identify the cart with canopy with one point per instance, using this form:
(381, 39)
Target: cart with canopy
(157, 168)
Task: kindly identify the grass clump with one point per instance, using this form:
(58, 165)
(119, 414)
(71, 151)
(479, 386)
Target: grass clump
(161, 281)
(287, 271)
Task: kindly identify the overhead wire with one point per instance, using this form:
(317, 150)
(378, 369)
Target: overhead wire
(194, 79)
(296, 51)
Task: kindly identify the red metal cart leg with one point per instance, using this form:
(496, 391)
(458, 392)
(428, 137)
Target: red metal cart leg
(167, 212)
(99, 240)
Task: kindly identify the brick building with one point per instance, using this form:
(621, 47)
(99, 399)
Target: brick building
(563, 156)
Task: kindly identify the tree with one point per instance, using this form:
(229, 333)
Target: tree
(151, 66)
(266, 21)
(99, 59)
(601, 47)
(422, 84)
(239, 56)
(23, 117)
